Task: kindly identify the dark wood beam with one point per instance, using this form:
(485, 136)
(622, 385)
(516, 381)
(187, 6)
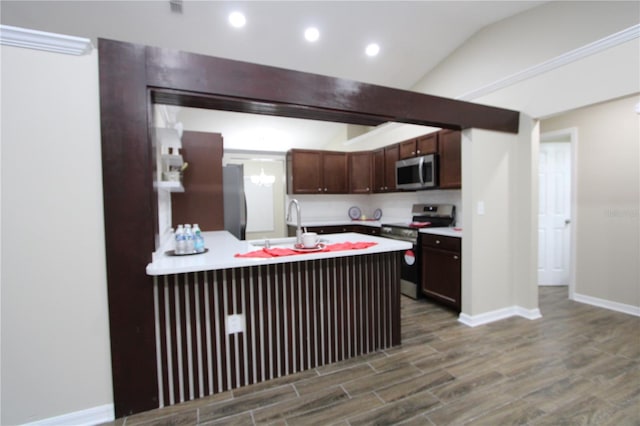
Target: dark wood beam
(130, 76)
(344, 99)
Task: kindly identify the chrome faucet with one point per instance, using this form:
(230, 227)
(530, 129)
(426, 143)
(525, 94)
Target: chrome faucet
(298, 221)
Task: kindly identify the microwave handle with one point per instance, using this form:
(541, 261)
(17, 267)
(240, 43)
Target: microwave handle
(421, 170)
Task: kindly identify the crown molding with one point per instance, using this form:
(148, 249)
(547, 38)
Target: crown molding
(597, 46)
(40, 40)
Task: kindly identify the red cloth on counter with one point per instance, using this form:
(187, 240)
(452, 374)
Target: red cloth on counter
(267, 253)
(349, 246)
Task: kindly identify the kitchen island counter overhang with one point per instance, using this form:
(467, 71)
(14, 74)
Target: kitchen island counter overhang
(224, 322)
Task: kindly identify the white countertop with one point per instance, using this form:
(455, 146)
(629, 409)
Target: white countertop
(446, 231)
(223, 246)
(337, 222)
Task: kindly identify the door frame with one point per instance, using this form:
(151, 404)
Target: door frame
(569, 135)
(132, 79)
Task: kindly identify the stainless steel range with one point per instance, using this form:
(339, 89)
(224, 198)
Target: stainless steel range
(423, 215)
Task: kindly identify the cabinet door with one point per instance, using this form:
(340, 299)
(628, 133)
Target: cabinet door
(450, 161)
(441, 276)
(407, 149)
(334, 172)
(360, 172)
(391, 154)
(364, 229)
(201, 201)
(305, 172)
(427, 144)
(378, 170)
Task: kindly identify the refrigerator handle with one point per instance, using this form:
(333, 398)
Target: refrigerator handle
(243, 222)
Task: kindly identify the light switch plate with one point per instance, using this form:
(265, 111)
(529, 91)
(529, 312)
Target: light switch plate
(480, 208)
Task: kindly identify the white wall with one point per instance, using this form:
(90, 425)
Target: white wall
(607, 216)
(498, 251)
(396, 206)
(498, 52)
(525, 40)
(55, 335)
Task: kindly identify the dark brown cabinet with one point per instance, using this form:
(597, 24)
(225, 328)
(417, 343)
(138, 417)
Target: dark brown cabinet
(441, 269)
(316, 172)
(337, 229)
(450, 162)
(201, 201)
(384, 168)
(422, 145)
(427, 144)
(360, 168)
(368, 230)
(364, 172)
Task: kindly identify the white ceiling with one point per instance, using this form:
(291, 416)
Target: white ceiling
(414, 35)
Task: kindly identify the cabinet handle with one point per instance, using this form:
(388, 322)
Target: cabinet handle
(367, 189)
(319, 189)
(437, 241)
(455, 257)
(413, 153)
(418, 151)
(325, 190)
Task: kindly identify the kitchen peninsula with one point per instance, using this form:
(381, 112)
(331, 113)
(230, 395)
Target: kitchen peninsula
(224, 321)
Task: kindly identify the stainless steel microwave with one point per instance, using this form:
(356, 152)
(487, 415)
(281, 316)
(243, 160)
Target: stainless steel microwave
(417, 173)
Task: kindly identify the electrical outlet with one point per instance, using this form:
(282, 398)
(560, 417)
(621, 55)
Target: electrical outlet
(235, 324)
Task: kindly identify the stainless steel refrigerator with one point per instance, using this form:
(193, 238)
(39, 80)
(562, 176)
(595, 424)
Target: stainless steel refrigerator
(235, 202)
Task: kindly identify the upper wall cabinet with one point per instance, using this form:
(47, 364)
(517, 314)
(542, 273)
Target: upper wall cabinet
(384, 168)
(365, 172)
(316, 172)
(422, 145)
(360, 172)
(450, 161)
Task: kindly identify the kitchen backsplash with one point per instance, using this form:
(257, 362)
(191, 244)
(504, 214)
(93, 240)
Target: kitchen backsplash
(395, 206)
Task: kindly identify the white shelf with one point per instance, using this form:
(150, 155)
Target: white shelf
(172, 160)
(171, 186)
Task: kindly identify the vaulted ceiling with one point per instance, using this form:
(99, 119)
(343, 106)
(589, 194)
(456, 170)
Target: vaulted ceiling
(413, 36)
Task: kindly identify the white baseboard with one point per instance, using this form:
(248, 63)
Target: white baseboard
(89, 417)
(499, 314)
(607, 304)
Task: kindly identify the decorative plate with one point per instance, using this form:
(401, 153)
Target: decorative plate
(355, 213)
(377, 214)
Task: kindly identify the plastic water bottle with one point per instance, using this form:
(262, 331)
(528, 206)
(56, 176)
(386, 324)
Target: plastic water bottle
(188, 236)
(180, 240)
(198, 239)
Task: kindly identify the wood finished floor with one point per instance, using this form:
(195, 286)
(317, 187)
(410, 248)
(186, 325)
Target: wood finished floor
(578, 365)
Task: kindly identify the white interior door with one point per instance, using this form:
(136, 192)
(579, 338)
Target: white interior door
(554, 213)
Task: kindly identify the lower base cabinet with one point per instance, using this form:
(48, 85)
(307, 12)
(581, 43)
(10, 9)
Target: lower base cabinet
(337, 229)
(441, 269)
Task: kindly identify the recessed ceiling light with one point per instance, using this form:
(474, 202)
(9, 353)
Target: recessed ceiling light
(237, 19)
(372, 49)
(312, 34)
